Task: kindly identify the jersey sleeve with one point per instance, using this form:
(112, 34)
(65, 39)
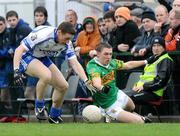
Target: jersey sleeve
(70, 53)
(118, 64)
(38, 35)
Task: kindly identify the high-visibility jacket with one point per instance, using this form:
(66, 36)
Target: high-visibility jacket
(150, 72)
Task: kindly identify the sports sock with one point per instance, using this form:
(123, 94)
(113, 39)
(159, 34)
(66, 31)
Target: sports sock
(55, 112)
(39, 103)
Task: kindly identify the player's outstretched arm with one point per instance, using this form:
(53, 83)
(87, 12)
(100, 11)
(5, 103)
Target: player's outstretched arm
(78, 69)
(134, 64)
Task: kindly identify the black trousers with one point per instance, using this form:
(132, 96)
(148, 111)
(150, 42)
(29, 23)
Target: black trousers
(144, 97)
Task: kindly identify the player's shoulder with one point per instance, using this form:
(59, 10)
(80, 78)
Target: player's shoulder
(42, 32)
(115, 62)
(92, 63)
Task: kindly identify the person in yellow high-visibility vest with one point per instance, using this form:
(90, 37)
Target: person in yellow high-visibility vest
(156, 74)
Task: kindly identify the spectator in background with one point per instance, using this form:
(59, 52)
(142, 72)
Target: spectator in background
(111, 26)
(71, 16)
(40, 18)
(176, 4)
(126, 30)
(136, 15)
(6, 54)
(19, 30)
(142, 47)
(104, 34)
(172, 44)
(88, 39)
(156, 74)
(162, 25)
(174, 31)
(166, 3)
(107, 6)
(170, 4)
(103, 30)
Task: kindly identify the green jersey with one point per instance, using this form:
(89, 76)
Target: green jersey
(107, 75)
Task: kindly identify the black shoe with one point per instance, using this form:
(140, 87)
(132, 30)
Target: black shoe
(146, 119)
(41, 113)
(56, 120)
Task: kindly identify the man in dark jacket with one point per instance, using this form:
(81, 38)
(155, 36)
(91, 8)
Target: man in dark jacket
(126, 32)
(142, 47)
(156, 74)
(111, 27)
(5, 55)
(20, 30)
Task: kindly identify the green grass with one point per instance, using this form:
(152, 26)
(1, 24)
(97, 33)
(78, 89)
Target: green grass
(83, 129)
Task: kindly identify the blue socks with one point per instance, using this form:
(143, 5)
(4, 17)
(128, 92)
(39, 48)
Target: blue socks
(54, 112)
(39, 103)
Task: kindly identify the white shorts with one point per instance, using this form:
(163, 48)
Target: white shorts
(118, 106)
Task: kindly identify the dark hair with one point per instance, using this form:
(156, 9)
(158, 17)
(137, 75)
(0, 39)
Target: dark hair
(42, 10)
(102, 45)
(11, 13)
(100, 20)
(109, 14)
(66, 27)
(2, 19)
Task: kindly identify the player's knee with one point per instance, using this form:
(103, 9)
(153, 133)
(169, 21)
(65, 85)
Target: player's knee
(132, 107)
(63, 88)
(46, 78)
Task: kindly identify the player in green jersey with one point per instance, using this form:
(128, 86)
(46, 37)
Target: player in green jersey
(112, 101)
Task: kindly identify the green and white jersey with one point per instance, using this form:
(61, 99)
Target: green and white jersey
(107, 75)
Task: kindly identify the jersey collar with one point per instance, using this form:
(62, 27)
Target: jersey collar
(96, 60)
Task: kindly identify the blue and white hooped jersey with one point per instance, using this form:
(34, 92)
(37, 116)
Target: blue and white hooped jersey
(41, 42)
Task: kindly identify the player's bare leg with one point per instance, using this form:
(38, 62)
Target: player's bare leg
(44, 75)
(60, 87)
(130, 106)
(128, 117)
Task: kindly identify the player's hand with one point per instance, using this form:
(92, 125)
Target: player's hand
(18, 77)
(90, 87)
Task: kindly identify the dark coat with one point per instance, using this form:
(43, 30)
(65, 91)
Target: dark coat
(164, 71)
(6, 40)
(20, 32)
(126, 34)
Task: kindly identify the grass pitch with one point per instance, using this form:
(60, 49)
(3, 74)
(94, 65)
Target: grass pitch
(85, 129)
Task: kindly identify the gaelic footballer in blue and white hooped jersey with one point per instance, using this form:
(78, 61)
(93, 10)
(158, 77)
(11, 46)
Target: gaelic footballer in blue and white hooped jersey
(44, 43)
